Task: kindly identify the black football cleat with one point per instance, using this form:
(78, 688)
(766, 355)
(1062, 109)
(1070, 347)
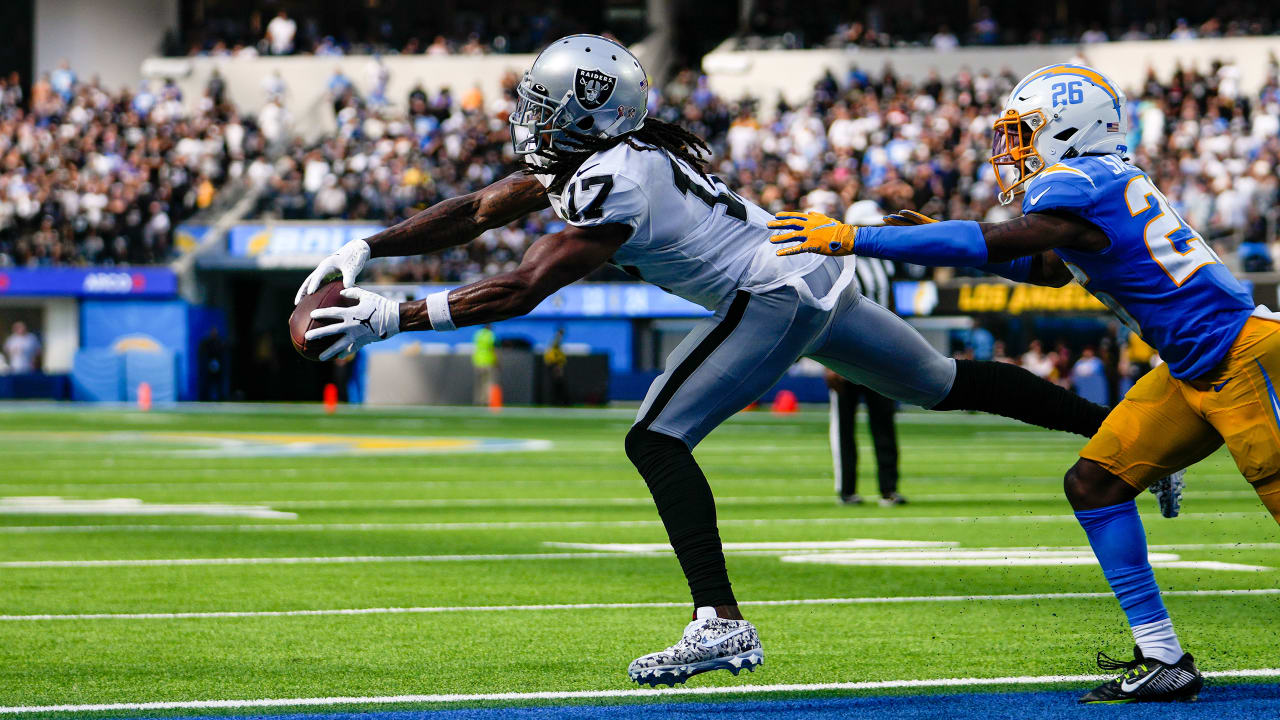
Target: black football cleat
(1147, 680)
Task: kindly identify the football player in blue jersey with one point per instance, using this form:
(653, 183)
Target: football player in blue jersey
(1092, 216)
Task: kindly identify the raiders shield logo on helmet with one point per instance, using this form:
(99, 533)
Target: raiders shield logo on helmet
(592, 88)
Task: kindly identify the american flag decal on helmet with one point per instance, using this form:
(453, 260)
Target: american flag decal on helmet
(1113, 127)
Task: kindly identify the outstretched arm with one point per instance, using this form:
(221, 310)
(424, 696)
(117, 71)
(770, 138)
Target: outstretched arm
(548, 265)
(1022, 243)
(443, 225)
(459, 220)
(1039, 232)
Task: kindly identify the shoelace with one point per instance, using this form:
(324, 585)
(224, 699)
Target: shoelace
(1130, 667)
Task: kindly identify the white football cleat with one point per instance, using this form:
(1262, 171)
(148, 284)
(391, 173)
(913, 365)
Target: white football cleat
(1168, 491)
(708, 644)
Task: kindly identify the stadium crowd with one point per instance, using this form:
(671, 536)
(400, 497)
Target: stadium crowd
(918, 23)
(94, 177)
(1212, 149)
(499, 30)
(89, 176)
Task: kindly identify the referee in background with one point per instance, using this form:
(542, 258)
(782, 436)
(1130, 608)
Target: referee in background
(876, 278)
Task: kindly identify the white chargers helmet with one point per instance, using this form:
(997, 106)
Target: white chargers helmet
(582, 84)
(1056, 113)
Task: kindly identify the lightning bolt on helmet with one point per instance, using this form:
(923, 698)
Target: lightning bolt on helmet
(1056, 113)
(585, 84)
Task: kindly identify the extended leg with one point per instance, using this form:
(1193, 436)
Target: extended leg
(720, 368)
(1152, 432)
(873, 347)
(1160, 670)
(688, 511)
(1011, 391)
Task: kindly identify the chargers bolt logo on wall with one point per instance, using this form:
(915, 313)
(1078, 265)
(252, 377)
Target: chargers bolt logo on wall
(593, 88)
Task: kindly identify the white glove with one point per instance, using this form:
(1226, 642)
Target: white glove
(374, 318)
(349, 260)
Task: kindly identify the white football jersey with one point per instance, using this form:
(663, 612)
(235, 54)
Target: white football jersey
(691, 237)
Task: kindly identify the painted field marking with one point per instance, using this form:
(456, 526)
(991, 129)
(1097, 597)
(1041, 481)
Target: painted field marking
(932, 499)
(887, 600)
(600, 694)
(54, 505)
(998, 557)
(606, 551)
(282, 444)
(550, 524)
(619, 551)
(786, 546)
(336, 560)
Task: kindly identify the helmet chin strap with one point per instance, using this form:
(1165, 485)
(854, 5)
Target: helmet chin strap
(1005, 197)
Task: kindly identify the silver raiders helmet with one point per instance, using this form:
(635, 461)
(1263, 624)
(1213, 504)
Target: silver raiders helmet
(583, 84)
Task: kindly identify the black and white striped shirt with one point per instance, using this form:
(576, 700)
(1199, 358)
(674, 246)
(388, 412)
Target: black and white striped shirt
(876, 278)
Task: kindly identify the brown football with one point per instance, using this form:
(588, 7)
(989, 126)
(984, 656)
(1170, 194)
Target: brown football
(300, 321)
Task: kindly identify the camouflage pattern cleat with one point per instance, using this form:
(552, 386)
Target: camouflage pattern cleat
(708, 644)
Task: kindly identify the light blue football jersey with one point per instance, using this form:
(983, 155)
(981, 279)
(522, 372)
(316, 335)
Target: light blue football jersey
(1159, 276)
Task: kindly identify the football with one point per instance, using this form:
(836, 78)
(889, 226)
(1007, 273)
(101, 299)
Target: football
(329, 295)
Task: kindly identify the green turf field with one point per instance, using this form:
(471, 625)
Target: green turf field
(425, 519)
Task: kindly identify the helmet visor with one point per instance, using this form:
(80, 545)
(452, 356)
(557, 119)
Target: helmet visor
(1013, 154)
(534, 121)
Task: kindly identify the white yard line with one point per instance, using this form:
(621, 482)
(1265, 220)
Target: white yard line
(600, 694)
(131, 507)
(887, 600)
(550, 524)
(647, 501)
(595, 551)
(322, 560)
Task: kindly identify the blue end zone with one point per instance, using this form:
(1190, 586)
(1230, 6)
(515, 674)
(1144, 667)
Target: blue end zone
(1227, 702)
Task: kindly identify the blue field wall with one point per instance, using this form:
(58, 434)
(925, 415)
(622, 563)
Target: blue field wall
(124, 343)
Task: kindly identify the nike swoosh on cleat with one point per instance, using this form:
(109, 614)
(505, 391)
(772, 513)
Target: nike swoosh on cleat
(723, 638)
(1126, 687)
(1036, 198)
(1219, 386)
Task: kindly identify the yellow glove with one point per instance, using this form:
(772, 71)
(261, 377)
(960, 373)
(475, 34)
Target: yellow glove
(815, 233)
(907, 218)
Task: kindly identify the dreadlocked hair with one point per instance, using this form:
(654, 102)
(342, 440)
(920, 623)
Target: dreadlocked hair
(654, 134)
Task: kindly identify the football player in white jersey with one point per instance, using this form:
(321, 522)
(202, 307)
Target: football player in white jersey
(633, 192)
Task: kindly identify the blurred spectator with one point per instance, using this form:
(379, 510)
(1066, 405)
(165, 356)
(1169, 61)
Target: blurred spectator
(213, 360)
(274, 87)
(1037, 361)
(944, 39)
(23, 349)
(280, 34)
(1095, 34)
(1088, 377)
(63, 80)
(1182, 31)
(484, 358)
(555, 360)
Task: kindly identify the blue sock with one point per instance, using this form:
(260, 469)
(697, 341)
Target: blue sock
(1120, 544)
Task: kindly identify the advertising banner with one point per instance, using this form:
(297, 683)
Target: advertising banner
(149, 282)
(293, 245)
